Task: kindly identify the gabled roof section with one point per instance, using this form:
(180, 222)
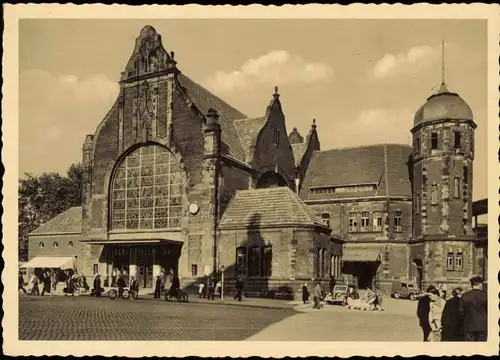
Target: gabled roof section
(248, 130)
(265, 208)
(69, 221)
(204, 100)
(385, 165)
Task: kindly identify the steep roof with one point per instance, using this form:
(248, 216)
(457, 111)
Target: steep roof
(204, 100)
(247, 130)
(385, 165)
(69, 221)
(269, 207)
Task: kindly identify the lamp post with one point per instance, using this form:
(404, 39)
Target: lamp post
(222, 268)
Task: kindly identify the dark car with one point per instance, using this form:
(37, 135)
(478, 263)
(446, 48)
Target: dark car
(405, 290)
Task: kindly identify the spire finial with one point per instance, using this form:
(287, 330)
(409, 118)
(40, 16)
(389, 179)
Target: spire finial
(276, 90)
(314, 124)
(443, 87)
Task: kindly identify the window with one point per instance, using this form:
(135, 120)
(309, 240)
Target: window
(456, 188)
(472, 142)
(450, 261)
(267, 261)
(353, 222)
(95, 269)
(241, 261)
(365, 219)
(254, 261)
(146, 191)
(398, 221)
(434, 195)
(417, 145)
(41, 245)
(459, 265)
(434, 140)
(466, 175)
(70, 244)
(276, 139)
(417, 204)
(194, 270)
(458, 139)
(377, 222)
(326, 218)
(56, 244)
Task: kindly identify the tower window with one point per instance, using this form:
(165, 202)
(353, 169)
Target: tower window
(365, 219)
(326, 219)
(434, 140)
(459, 264)
(434, 195)
(417, 145)
(353, 222)
(450, 260)
(398, 221)
(458, 139)
(276, 139)
(456, 188)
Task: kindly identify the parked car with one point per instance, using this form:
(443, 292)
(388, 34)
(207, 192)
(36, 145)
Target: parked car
(337, 296)
(405, 290)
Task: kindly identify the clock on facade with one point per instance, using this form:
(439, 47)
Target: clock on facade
(193, 209)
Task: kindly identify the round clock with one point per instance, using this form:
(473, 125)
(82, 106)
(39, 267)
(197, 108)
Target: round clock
(193, 209)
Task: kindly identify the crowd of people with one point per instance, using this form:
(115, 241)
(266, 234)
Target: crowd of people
(49, 280)
(463, 317)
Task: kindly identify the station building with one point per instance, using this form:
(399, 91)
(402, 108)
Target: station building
(176, 178)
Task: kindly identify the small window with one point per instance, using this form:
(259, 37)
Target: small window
(456, 188)
(56, 244)
(276, 137)
(458, 139)
(267, 260)
(70, 244)
(194, 270)
(417, 204)
(241, 261)
(398, 221)
(466, 175)
(41, 245)
(326, 219)
(434, 195)
(417, 145)
(95, 269)
(377, 222)
(365, 219)
(459, 264)
(434, 140)
(353, 222)
(450, 261)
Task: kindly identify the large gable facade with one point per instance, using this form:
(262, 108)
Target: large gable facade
(175, 178)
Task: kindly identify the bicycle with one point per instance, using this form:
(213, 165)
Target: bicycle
(113, 294)
(181, 296)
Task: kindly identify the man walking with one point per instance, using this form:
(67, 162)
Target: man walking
(317, 296)
(158, 287)
(474, 310)
(423, 311)
(239, 288)
(451, 319)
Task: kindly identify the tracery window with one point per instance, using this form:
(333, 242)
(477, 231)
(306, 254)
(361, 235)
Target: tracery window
(146, 192)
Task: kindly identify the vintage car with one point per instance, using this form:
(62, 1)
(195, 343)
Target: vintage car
(337, 296)
(406, 290)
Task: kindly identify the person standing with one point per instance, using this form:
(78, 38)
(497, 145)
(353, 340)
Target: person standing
(201, 286)
(20, 283)
(317, 296)
(423, 310)
(176, 285)
(436, 312)
(53, 280)
(452, 320)
(474, 310)
(97, 285)
(239, 288)
(218, 288)
(46, 283)
(120, 282)
(157, 294)
(305, 294)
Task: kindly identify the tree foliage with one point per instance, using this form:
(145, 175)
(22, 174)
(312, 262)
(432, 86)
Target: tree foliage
(43, 197)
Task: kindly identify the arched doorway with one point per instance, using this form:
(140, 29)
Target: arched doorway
(417, 271)
(271, 179)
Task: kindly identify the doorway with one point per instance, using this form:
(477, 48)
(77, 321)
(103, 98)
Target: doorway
(417, 270)
(145, 278)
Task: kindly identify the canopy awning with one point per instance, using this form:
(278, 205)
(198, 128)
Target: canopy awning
(50, 262)
(360, 255)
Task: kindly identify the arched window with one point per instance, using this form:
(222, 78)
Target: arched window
(70, 244)
(56, 244)
(41, 245)
(146, 191)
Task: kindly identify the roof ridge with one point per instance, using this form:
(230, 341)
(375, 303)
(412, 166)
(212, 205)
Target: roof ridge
(364, 146)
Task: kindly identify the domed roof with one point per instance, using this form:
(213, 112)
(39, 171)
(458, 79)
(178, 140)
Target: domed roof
(295, 137)
(443, 105)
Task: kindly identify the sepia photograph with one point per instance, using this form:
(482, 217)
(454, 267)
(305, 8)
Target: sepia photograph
(218, 179)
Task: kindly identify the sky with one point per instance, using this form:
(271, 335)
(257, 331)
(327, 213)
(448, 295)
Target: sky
(362, 80)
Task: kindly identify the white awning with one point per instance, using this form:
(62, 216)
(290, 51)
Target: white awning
(50, 262)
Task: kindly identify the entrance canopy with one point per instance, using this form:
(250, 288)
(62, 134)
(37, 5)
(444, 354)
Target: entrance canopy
(57, 262)
(361, 255)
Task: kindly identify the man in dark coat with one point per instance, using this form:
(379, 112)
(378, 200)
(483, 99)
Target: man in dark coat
(423, 309)
(20, 283)
(120, 282)
(97, 285)
(474, 310)
(239, 288)
(451, 319)
(46, 284)
(158, 287)
(176, 285)
(305, 294)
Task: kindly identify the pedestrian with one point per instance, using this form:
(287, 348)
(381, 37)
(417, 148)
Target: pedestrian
(46, 284)
(114, 277)
(168, 279)
(452, 319)
(97, 285)
(120, 282)
(317, 296)
(134, 288)
(218, 288)
(53, 280)
(474, 311)
(201, 286)
(305, 294)
(423, 310)
(20, 283)
(71, 286)
(435, 314)
(157, 294)
(378, 299)
(176, 285)
(211, 290)
(239, 288)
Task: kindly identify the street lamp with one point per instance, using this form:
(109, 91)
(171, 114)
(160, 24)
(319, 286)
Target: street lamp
(222, 268)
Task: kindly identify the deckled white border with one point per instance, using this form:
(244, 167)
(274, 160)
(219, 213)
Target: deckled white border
(12, 346)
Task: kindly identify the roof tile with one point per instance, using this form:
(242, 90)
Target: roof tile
(248, 130)
(69, 221)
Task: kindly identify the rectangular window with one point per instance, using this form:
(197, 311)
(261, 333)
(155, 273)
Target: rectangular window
(434, 140)
(254, 261)
(96, 268)
(450, 261)
(194, 270)
(365, 219)
(398, 221)
(459, 264)
(417, 145)
(417, 204)
(466, 175)
(276, 137)
(456, 188)
(458, 139)
(326, 218)
(267, 260)
(434, 195)
(241, 261)
(353, 222)
(377, 222)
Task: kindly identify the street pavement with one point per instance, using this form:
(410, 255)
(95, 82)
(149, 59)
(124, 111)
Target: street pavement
(88, 318)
